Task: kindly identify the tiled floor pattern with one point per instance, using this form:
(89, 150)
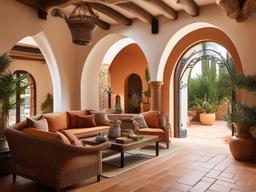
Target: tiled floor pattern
(205, 164)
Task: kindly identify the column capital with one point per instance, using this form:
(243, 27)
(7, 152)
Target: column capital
(156, 83)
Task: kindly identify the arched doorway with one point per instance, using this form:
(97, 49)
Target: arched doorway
(111, 59)
(176, 47)
(133, 94)
(213, 60)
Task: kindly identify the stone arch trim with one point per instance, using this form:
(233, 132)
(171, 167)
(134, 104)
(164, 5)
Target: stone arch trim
(204, 34)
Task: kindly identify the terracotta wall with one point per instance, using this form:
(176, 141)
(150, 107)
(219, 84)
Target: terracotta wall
(39, 70)
(129, 60)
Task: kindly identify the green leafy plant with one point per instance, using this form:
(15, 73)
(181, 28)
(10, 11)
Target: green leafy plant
(242, 114)
(242, 81)
(147, 92)
(10, 85)
(204, 106)
(47, 105)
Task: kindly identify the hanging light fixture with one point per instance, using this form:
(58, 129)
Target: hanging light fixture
(82, 22)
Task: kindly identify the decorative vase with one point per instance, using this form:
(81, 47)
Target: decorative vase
(242, 146)
(114, 132)
(207, 118)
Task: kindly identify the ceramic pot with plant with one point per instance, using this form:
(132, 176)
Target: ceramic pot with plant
(207, 112)
(242, 145)
(114, 130)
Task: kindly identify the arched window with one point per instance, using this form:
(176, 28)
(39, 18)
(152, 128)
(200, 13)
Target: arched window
(25, 100)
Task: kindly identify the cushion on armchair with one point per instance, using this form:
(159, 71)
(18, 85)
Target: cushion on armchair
(139, 122)
(152, 118)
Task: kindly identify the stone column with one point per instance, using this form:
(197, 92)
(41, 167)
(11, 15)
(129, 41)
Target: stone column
(156, 95)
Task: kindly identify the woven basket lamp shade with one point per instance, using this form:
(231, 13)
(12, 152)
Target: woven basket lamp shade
(81, 22)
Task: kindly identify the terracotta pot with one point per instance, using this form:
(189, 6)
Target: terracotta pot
(242, 146)
(207, 118)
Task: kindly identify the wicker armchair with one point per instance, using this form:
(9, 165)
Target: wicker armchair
(52, 163)
(158, 124)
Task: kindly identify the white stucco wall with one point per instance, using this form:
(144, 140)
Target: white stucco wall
(39, 70)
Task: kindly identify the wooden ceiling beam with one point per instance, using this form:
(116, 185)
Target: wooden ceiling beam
(231, 7)
(140, 13)
(36, 4)
(102, 24)
(168, 11)
(189, 6)
(247, 8)
(115, 15)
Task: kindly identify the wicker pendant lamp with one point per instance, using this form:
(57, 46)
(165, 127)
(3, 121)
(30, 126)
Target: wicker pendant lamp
(81, 22)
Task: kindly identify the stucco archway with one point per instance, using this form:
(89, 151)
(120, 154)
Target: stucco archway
(176, 47)
(103, 52)
(43, 44)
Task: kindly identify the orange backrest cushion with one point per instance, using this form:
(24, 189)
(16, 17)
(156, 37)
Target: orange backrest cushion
(86, 121)
(47, 135)
(71, 117)
(56, 121)
(152, 118)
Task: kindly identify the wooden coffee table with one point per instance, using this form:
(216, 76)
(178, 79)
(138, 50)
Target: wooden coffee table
(147, 140)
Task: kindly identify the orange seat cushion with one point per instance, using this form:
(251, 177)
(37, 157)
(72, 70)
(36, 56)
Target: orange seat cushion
(56, 121)
(71, 117)
(152, 118)
(152, 131)
(80, 132)
(47, 135)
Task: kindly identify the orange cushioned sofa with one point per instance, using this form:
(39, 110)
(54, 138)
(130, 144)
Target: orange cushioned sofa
(68, 121)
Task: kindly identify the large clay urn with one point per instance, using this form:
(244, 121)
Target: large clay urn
(242, 145)
(207, 118)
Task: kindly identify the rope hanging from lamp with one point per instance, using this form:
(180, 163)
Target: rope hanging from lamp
(82, 22)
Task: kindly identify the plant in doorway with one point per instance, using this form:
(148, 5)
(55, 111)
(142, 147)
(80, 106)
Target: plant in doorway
(207, 111)
(147, 92)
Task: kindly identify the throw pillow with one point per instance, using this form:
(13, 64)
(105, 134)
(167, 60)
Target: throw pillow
(56, 121)
(71, 117)
(86, 121)
(72, 138)
(101, 118)
(139, 122)
(41, 123)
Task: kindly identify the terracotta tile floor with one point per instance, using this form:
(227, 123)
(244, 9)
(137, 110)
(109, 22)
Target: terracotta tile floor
(205, 164)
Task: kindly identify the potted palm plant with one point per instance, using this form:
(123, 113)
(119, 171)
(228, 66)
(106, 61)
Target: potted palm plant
(207, 111)
(10, 84)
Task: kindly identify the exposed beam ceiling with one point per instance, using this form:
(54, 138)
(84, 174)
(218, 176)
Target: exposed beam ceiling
(189, 6)
(115, 15)
(142, 14)
(168, 11)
